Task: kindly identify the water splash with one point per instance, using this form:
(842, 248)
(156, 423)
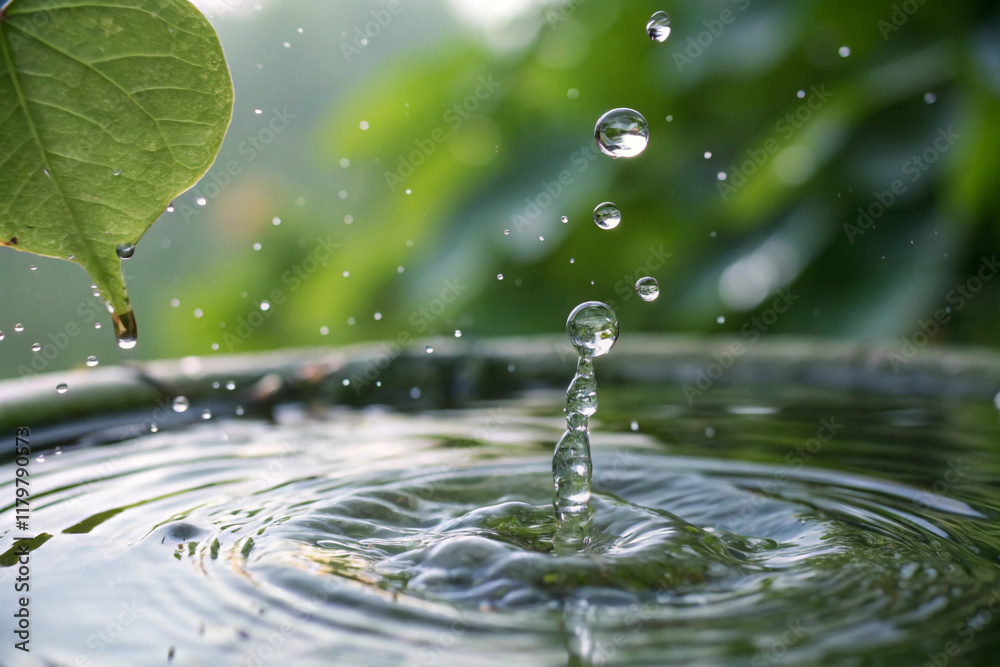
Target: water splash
(592, 328)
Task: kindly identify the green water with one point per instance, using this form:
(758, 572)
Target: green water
(763, 525)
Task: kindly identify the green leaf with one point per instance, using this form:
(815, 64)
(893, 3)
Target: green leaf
(107, 112)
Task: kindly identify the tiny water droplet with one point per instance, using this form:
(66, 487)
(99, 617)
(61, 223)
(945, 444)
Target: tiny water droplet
(592, 328)
(930, 98)
(265, 306)
(634, 425)
(181, 404)
(276, 222)
(206, 414)
(201, 201)
(153, 428)
(32, 268)
(62, 388)
(125, 250)
(647, 288)
(458, 333)
(607, 215)
(346, 382)
(430, 350)
(170, 209)
(801, 94)
(622, 133)
(564, 219)
(92, 361)
(844, 51)
(499, 276)
(239, 410)
(708, 155)
(230, 385)
(36, 347)
(658, 27)
(18, 328)
(721, 319)
(117, 171)
(506, 232)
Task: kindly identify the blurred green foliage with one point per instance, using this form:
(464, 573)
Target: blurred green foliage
(727, 82)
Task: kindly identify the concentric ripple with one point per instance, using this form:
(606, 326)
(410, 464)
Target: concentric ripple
(370, 537)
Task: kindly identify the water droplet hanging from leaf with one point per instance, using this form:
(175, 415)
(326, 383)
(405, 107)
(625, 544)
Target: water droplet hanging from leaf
(101, 132)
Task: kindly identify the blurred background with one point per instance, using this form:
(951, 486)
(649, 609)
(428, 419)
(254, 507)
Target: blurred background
(841, 157)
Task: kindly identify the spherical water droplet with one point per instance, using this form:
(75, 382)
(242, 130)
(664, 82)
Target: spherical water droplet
(201, 201)
(721, 319)
(265, 306)
(125, 250)
(844, 51)
(153, 428)
(170, 209)
(181, 404)
(634, 425)
(458, 333)
(18, 328)
(722, 176)
(658, 27)
(364, 125)
(92, 361)
(647, 288)
(32, 268)
(257, 247)
(62, 388)
(708, 155)
(276, 222)
(564, 219)
(117, 171)
(36, 347)
(801, 94)
(230, 385)
(1, 335)
(930, 98)
(430, 350)
(607, 215)
(592, 328)
(206, 414)
(506, 232)
(499, 276)
(622, 133)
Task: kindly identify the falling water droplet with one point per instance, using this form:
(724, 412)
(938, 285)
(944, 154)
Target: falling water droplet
(62, 388)
(181, 404)
(125, 250)
(607, 215)
(92, 361)
(622, 133)
(658, 27)
(647, 288)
